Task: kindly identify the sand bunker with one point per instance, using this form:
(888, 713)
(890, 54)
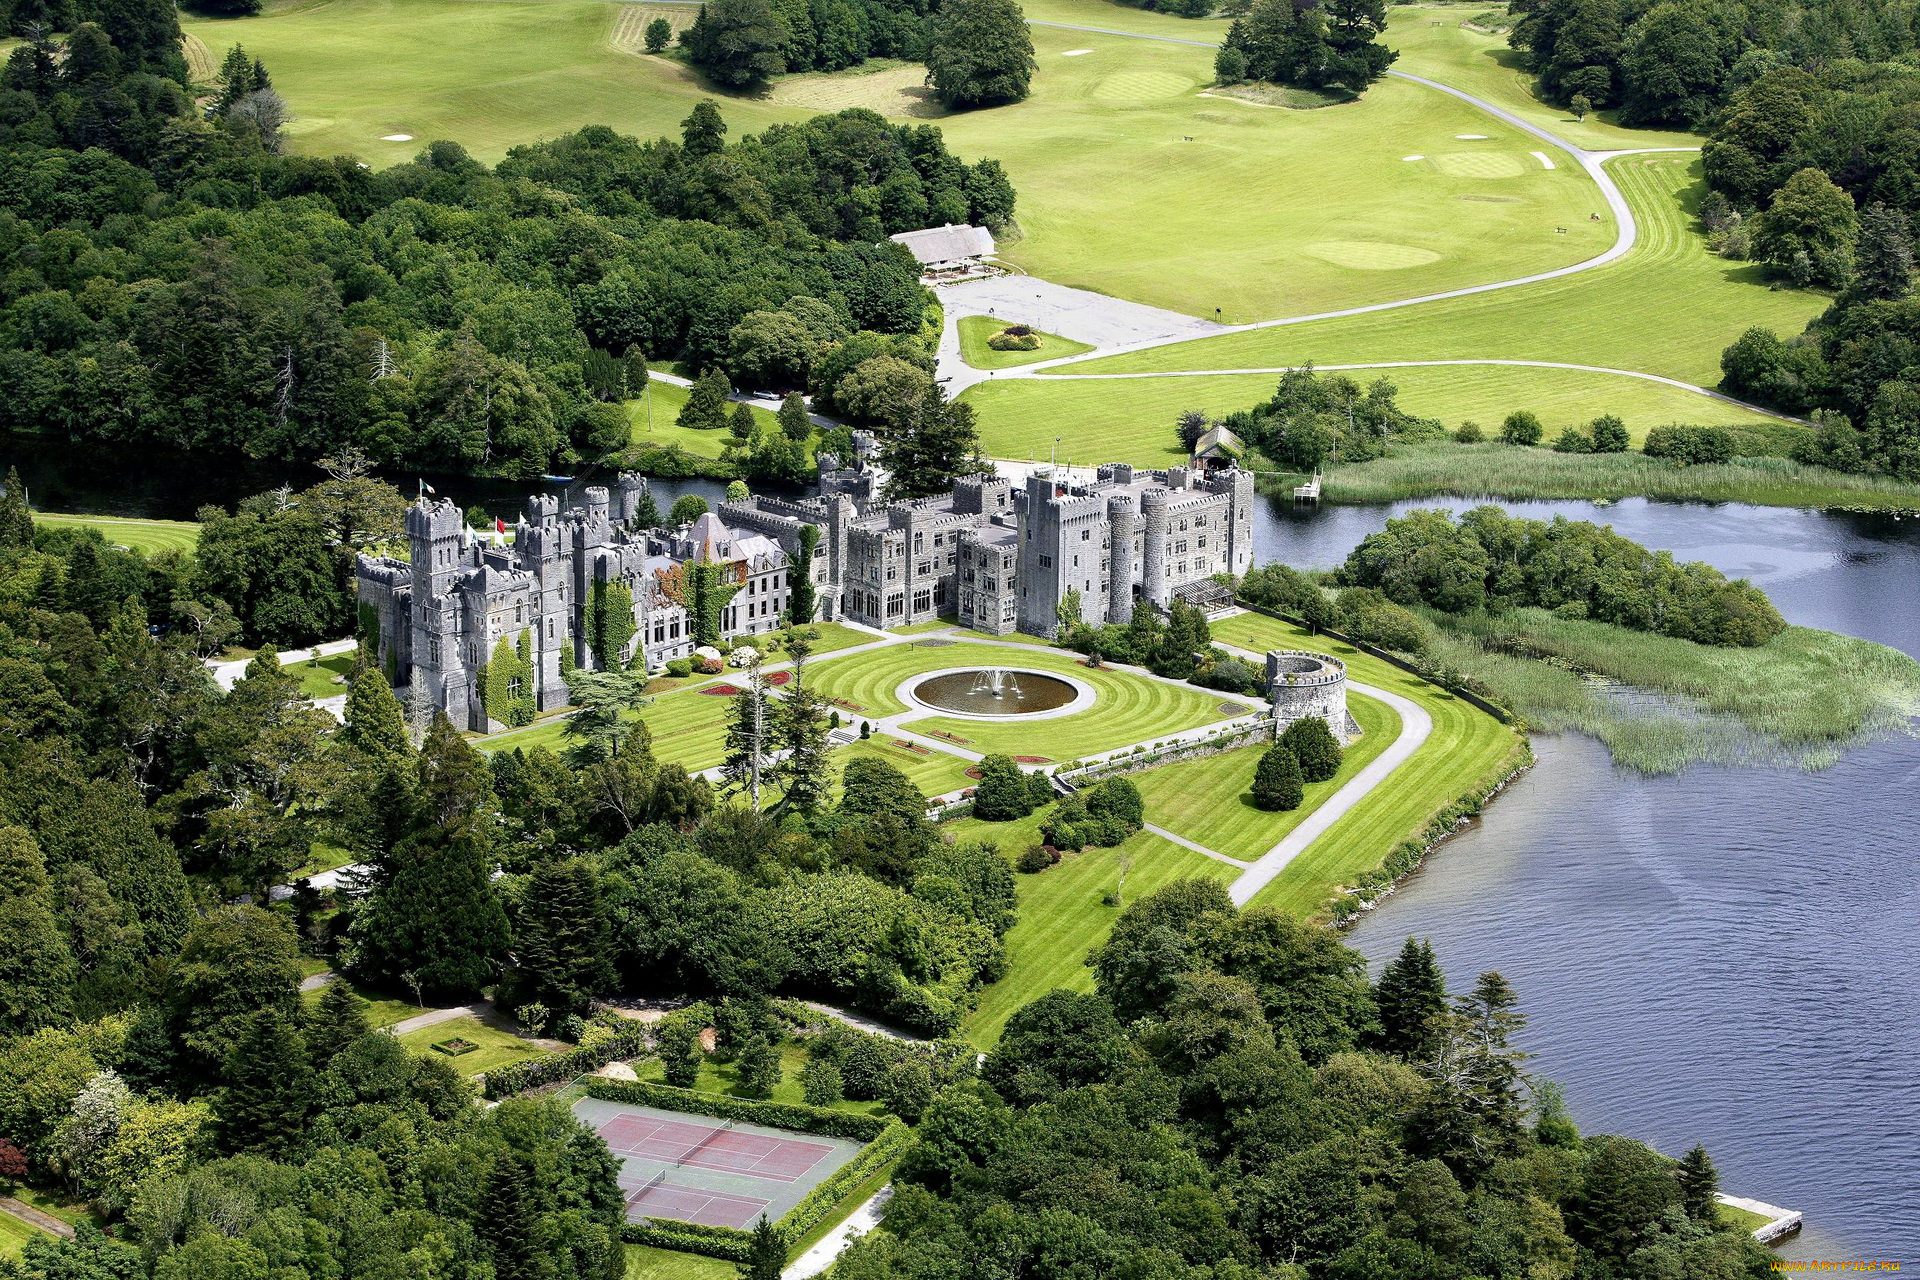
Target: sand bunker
(1074, 53)
(1413, 157)
(1471, 137)
(396, 137)
(1546, 161)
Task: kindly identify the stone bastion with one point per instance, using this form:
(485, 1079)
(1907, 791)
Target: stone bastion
(1302, 684)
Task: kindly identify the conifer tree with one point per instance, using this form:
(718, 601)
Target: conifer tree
(16, 521)
(802, 599)
(1699, 1186)
(766, 1253)
(678, 1043)
(1276, 780)
(507, 1219)
(1315, 747)
(1410, 994)
(374, 723)
(340, 1019)
(750, 737)
(37, 971)
(706, 406)
(741, 426)
(800, 736)
(794, 422)
(268, 1089)
(647, 514)
(562, 941)
(638, 376)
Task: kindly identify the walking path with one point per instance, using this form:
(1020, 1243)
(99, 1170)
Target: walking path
(817, 1259)
(1185, 843)
(34, 1217)
(226, 674)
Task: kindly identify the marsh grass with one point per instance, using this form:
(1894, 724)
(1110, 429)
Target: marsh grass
(1661, 704)
(1498, 470)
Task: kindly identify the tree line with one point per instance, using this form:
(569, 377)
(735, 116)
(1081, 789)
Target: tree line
(1235, 1100)
(172, 279)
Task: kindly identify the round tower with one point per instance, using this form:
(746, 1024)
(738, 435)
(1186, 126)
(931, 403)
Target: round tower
(1153, 556)
(1120, 525)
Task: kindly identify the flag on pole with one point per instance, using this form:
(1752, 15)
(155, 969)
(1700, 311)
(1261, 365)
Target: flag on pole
(499, 525)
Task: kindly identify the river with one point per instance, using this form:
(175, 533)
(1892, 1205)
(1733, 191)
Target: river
(1730, 956)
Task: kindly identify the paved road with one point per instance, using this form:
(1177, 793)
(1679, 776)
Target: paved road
(227, 674)
(34, 1217)
(1415, 727)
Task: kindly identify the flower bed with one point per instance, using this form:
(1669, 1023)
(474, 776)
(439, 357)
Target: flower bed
(455, 1047)
(776, 679)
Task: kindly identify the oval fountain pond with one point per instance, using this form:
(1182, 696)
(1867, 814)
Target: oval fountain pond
(992, 692)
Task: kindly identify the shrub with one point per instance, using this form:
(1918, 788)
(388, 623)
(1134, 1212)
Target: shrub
(1573, 440)
(1015, 337)
(1315, 748)
(1469, 433)
(1277, 783)
(850, 1125)
(1689, 445)
(1609, 434)
(1522, 427)
(1229, 65)
(1036, 858)
(680, 668)
(1230, 675)
(1002, 794)
(820, 1084)
(1368, 616)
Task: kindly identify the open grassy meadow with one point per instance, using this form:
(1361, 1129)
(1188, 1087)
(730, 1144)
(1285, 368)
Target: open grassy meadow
(651, 416)
(1132, 419)
(149, 536)
(1465, 748)
(1209, 802)
(976, 330)
(1669, 307)
(322, 677)
(1062, 915)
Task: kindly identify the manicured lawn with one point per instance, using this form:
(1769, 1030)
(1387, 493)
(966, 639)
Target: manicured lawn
(1062, 916)
(1668, 307)
(644, 1262)
(1132, 419)
(1464, 748)
(724, 1078)
(1114, 154)
(496, 1048)
(140, 535)
(1745, 1219)
(14, 1235)
(322, 856)
(934, 774)
(322, 677)
(1129, 708)
(976, 330)
(1208, 801)
(688, 727)
(652, 417)
(379, 1010)
(834, 637)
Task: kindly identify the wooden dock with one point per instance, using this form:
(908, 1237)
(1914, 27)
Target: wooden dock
(1308, 492)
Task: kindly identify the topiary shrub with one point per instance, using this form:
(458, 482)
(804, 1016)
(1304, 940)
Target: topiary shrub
(1277, 784)
(1314, 747)
(1015, 337)
(680, 668)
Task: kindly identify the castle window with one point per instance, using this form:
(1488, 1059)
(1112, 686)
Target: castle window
(514, 686)
(1046, 562)
(1199, 522)
(1180, 547)
(1202, 540)
(893, 571)
(922, 601)
(519, 613)
(1086, 535)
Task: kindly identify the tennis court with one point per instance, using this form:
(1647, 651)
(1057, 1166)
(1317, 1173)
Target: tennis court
(701, 1169)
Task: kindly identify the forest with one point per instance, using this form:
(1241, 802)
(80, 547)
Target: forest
(169, 277)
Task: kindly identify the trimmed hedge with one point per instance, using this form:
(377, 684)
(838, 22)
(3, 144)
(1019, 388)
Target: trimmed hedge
(884, 1141)
(556, 1068)
(850, 1125)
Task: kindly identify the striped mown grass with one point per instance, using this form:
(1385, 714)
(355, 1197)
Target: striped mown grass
(1062, 916)
(149, 536)
(1668, 307)
(1466, 746)
(1208, 800)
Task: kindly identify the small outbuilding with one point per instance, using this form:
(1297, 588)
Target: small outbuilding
(949, 248)
(1217, 450)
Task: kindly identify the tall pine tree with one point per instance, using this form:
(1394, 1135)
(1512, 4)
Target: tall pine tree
(800, 734)
(562, 939)
(340, 1019)
(36, 968)
(508, 1218)
(1410, 994)
(1699, 1186)
(268, 1088)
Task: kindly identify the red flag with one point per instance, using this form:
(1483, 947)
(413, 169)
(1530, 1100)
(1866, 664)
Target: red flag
(499, 525)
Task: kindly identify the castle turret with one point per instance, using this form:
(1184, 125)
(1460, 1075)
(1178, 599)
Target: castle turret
(1121, 519)
(633, 490)
(594, 502)
(1153, 556)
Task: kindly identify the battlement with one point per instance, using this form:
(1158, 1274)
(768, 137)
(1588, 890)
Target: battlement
(1301, 669)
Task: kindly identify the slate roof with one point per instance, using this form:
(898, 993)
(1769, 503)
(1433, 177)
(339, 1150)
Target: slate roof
(950, 243)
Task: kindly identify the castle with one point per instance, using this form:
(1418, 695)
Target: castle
(999, 557)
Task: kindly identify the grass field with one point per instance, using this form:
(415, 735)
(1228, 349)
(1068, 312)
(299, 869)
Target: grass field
(139, 535)
(1208, 801)
(1062, 916)
(1108, 154)
(935, 774)
(379, 1011)
(1128, 709)
(652, 417)
(496, 1048)
(647, 1263)
(1132, 420)
(1745, 1219)
(688, 727)
(322, 677)
(976, 330)
(1669, 308)
(1466, 745)
(14, 1235)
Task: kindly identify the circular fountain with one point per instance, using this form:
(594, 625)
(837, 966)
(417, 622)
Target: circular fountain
(996, 692)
